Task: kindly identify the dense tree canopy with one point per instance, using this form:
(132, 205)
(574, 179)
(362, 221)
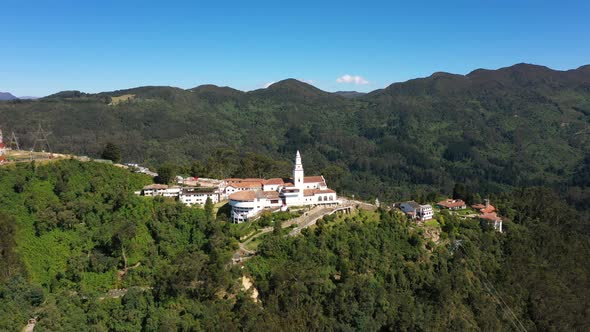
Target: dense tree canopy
(72, 235)
(111, 152)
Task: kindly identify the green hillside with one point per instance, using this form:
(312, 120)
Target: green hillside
(491, 129)
(72, 235)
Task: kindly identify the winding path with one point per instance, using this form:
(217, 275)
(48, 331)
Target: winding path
(308, 219)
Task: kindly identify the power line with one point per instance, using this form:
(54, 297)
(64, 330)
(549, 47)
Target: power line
(497, 297)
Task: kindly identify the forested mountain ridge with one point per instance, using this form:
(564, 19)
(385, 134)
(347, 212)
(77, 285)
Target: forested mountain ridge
(491, 129)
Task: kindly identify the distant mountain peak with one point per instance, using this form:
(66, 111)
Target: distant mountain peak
(291, 88)
(214, 92)
(212, 87)
(290, 82)
(523, 68)
(7, 96)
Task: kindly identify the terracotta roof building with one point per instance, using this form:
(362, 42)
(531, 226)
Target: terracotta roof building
(452, 204)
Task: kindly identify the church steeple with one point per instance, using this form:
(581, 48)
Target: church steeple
(298, 171)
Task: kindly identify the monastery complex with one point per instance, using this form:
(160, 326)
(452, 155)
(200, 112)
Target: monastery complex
(248, 197)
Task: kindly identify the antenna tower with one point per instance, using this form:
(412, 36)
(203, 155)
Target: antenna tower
(13, 142)
(41, 140)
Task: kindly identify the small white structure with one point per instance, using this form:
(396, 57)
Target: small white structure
(425, 212)
(249, 197)
(154, 190)
(141, 169)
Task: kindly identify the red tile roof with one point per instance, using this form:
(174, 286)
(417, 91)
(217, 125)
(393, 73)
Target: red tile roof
(243, 196)
(248, 185)
(251, 195)
(271, 194)
(273, 181)
(451, 203)
(483, 208)
(310, 179)
(240, 180)
(490, 216)
(488, 209)
(252, 182)
(312, 192)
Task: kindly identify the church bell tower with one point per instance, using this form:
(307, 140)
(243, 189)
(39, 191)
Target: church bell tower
(298, 171)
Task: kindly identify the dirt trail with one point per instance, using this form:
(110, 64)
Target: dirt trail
(30, 325)
(247, 284)
(306, 220)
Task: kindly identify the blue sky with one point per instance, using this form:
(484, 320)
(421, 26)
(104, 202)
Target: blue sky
(93, 46)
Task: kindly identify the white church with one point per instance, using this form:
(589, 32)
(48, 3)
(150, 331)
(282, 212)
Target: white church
(248, 197)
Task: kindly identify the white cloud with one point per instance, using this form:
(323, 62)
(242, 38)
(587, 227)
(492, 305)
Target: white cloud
(266, 85)
(358, 80)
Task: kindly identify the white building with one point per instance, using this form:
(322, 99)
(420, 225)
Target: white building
(188, 196)
(173, 191)
(192, 196)
(417, 211)
(409, 207)
(249, 197)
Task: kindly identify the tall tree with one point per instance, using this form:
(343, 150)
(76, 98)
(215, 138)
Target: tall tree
(166, 174)
(9, 262)
(209, 209)
(112, 152)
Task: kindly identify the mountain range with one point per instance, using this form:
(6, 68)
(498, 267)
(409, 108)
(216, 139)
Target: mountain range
(490, 129)
(9, 96)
